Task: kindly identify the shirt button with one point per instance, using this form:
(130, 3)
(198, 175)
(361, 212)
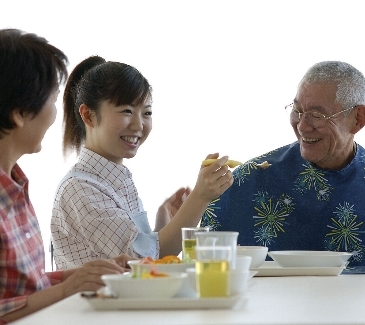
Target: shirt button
(27, 235)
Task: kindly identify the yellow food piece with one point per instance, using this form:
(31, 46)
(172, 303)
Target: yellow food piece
(229, 163)
(264, 165)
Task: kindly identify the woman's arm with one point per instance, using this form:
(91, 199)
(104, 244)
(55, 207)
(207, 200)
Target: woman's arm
(85, 278)
(213, 180)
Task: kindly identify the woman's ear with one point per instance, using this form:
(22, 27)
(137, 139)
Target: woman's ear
(87, 115)
(18, 118)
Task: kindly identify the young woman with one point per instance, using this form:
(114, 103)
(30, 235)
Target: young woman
(97, 211)
(30, 72)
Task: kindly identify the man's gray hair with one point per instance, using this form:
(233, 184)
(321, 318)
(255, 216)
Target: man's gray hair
(350, 81)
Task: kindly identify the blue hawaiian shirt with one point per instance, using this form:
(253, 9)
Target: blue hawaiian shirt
(294, 205)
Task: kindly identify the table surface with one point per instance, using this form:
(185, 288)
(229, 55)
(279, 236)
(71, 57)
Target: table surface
(269, 300)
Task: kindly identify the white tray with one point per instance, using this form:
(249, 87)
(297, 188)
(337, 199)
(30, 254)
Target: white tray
(165, 303)
(271, 268)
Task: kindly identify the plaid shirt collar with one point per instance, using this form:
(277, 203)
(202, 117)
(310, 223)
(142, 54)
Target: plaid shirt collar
(13, 186)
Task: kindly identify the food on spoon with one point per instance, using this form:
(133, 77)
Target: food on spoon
(229, 163)
(264, 165)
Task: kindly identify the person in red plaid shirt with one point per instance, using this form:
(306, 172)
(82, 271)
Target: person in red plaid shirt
(31, 70)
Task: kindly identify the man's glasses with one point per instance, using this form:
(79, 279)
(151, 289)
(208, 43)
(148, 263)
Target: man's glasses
(314, 118)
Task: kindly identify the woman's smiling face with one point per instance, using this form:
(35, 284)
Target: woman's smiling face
(118, 131)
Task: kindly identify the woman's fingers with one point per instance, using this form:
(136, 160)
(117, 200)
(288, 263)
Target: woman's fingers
(88, 276)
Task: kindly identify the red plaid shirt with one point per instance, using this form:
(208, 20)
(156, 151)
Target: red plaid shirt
(22, 267)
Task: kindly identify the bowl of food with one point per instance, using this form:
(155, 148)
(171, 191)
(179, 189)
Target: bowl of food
(302, 258)
(258, 254)
(168, 263)
(149, 285)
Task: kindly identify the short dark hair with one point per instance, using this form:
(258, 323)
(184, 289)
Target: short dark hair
(30, 69)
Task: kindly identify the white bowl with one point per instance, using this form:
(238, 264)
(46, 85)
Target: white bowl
(258, 254)
(310, 258)
(127, 286)
(138, 267)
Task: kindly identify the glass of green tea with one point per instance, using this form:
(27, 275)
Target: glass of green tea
(220, 238)
(212, 271)
(189, 241)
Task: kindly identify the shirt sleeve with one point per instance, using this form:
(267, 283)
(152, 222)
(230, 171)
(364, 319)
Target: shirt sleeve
(9, 305)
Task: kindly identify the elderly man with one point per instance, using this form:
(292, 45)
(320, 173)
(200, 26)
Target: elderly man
(310, 195)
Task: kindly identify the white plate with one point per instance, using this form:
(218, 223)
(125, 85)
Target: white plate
(310, 258)
(271, 268)
(163, 303)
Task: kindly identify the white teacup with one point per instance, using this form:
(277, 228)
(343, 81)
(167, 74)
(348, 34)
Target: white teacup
(243, 262)
(258, 254)
(239, 281)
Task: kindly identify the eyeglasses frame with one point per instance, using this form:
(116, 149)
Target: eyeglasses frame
(326, 117)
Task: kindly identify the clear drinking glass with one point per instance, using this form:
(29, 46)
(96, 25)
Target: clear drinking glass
(219, 238)
(189, 241)
(212, 271)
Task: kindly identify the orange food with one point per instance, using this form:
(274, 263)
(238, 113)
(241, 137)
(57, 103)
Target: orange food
(153, 274)
(168, 259)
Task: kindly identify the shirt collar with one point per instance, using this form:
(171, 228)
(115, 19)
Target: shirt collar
(12, 186)
(109, 171)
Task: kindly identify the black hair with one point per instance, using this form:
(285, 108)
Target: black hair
(93, 81)
(30, 69)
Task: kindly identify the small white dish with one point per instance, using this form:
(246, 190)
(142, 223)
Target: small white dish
(258, 254)
(126, 286)
(310, 258)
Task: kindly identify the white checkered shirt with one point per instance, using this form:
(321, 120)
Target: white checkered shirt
(97, 214)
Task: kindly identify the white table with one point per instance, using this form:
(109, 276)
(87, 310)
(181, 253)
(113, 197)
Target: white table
(270, 300)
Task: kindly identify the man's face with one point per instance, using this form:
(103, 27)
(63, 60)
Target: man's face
(330, 146)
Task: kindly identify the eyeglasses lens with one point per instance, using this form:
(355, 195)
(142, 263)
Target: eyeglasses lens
(315, 119)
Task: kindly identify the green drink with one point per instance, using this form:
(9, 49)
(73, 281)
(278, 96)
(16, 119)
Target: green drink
(212, 278)
(188, 248)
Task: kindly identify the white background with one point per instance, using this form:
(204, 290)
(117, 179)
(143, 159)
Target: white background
(221, 71)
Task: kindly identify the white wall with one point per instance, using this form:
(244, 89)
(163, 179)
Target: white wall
(222, 72)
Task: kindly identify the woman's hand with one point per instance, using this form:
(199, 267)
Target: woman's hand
(169, 208)
(88, 276)
(213, 180)
(122, 260)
